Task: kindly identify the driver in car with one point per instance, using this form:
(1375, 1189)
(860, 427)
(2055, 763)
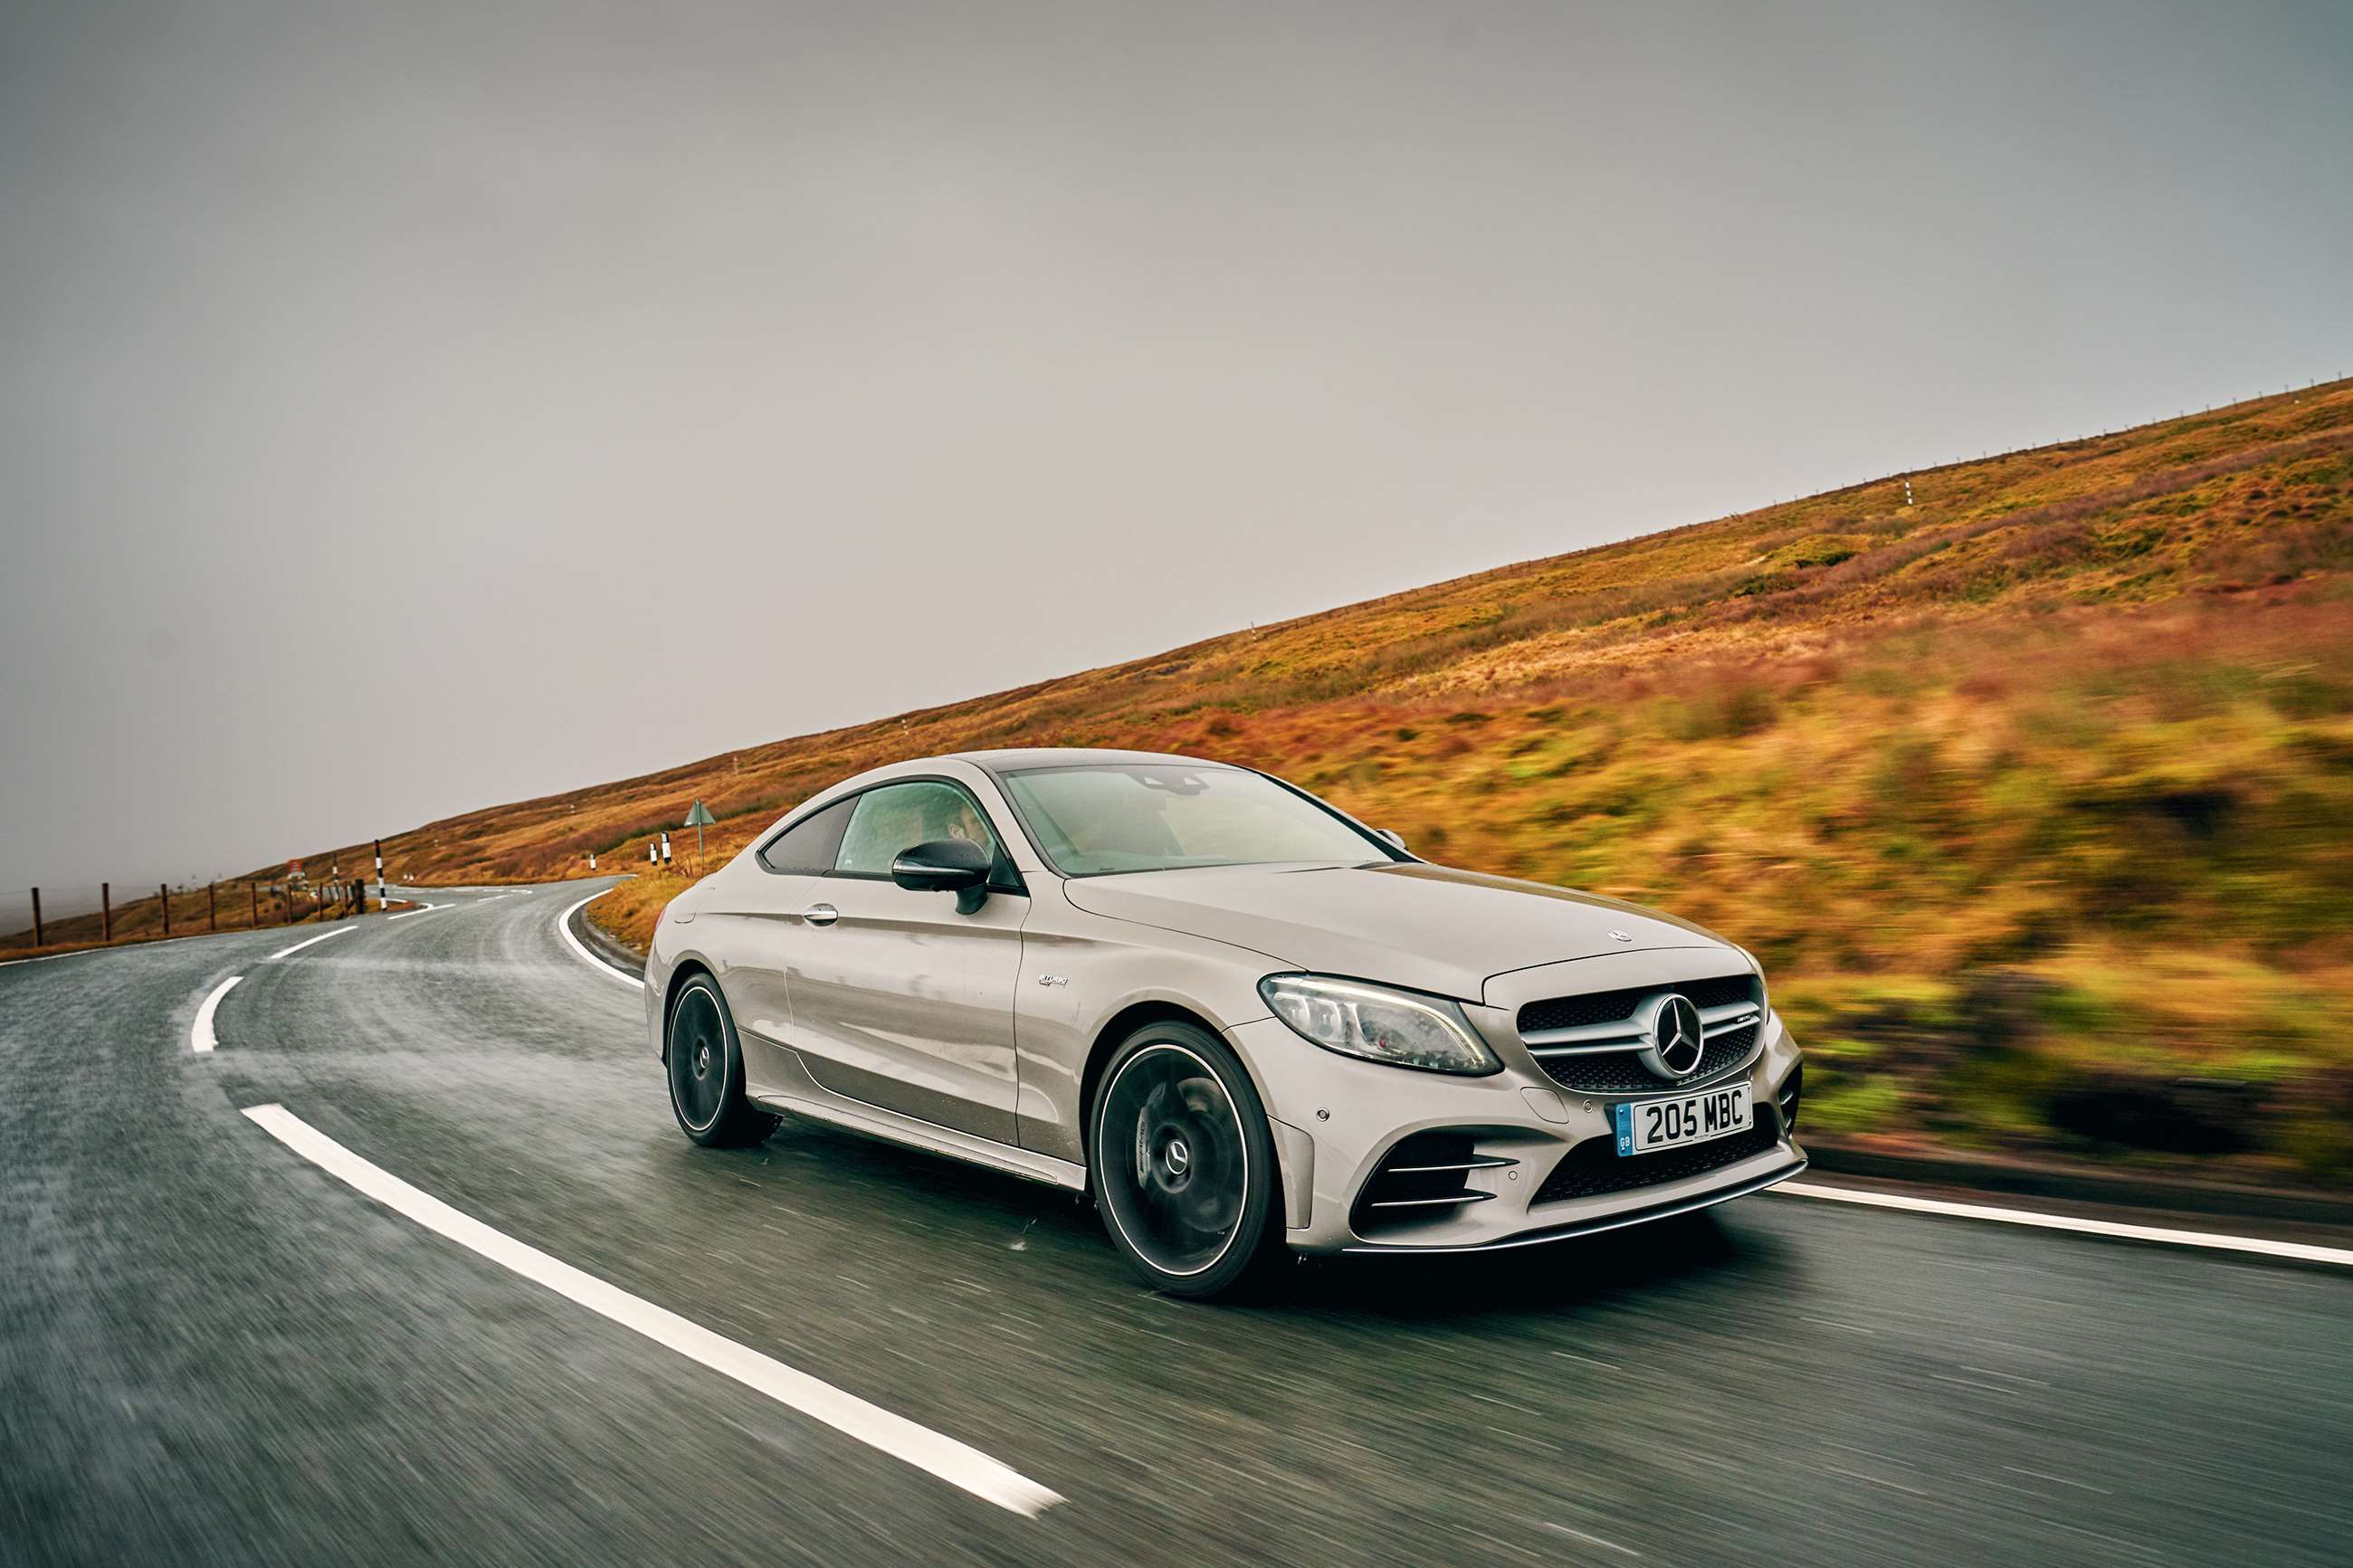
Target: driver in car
(952, 817)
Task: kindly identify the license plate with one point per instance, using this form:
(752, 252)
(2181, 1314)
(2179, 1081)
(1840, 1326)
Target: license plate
(1655, 1124)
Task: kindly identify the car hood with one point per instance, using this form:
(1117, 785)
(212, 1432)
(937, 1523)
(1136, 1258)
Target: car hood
(1429, 928)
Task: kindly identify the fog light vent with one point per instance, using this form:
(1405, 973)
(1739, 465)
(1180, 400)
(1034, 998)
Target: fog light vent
(1423, 1179)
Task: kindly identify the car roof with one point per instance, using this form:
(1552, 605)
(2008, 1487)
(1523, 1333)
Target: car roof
(1015, 759)
(995, 763)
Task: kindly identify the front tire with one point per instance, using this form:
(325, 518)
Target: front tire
(1183, 1164)
(706, 1070)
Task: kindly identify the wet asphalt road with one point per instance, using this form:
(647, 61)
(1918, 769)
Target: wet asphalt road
(211, 1351)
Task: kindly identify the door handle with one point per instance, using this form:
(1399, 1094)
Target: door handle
(820, 914)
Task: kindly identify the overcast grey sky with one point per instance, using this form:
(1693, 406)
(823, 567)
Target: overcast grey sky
(408, 408)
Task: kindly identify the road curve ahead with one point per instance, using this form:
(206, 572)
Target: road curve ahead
(518, 1319)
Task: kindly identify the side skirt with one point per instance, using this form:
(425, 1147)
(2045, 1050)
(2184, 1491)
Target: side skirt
(877, 1122)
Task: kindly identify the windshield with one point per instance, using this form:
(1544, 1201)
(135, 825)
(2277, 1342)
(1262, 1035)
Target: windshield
(1147, 816)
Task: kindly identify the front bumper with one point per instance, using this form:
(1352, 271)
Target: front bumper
(1337, 1119)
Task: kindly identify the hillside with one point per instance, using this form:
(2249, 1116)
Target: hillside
(2030, 793)
(2244, 507)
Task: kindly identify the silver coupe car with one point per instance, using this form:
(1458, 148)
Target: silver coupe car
(1244, 1022)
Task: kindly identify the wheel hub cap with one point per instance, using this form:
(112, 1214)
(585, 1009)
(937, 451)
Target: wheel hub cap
(698, 1059)
(1177, 1188)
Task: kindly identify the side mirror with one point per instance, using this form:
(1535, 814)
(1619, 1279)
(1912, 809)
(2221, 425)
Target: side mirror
(1389, 836)
(955, 865)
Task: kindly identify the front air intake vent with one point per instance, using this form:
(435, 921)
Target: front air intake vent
(1423, 1178)
(1595, 1168)
(1793, 1089)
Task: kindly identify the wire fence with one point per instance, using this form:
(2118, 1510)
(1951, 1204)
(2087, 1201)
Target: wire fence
(85, 915)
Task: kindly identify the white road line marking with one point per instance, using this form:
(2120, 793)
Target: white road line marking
(128, 945)
(564, 929)
(200, 1035)
(944, 1457)
(287, 951)
(2213, 1241)
(425, 910)
(53, 957)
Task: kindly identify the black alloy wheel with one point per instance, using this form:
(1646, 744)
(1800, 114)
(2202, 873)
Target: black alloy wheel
(706, 1071)
(1183, 1163)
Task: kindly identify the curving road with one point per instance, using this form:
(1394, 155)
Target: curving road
(214, 1348)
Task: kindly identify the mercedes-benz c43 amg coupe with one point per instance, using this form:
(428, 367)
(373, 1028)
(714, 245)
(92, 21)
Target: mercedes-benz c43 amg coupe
(1244, 1022)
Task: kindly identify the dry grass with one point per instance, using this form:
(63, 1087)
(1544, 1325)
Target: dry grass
(630, 909)
(141, 919)
(2216, 505)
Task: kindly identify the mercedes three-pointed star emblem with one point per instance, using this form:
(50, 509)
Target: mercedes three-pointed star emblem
(1673, 1039)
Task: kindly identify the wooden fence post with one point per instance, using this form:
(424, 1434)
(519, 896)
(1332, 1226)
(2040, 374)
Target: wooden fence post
(106, 912)
(36, 917)
(163, 897)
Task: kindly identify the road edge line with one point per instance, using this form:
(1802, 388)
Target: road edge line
(77, 953)
(201, 1037)
(956, 1463)
(2212, 1241)
(580, 950)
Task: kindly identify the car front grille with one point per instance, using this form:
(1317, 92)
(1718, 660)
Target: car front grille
(1595, 1168)
(1608, 1006)
(1621, 1072)
(1591, 1044)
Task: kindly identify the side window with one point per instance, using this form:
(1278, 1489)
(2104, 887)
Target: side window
(807, 847)
(896, 817)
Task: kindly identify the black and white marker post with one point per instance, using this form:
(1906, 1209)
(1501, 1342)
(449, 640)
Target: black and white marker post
(379, 873)
(665, 848)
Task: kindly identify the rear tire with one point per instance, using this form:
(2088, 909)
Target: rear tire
(705, 1065)
(1184, 1166)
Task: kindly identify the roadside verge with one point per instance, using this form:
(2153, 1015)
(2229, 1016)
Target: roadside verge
(598, 946)
(2066, 1184)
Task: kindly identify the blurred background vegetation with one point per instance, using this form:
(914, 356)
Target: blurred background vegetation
(2033, 794)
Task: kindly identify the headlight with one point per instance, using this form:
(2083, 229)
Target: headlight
(1378, 1023)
